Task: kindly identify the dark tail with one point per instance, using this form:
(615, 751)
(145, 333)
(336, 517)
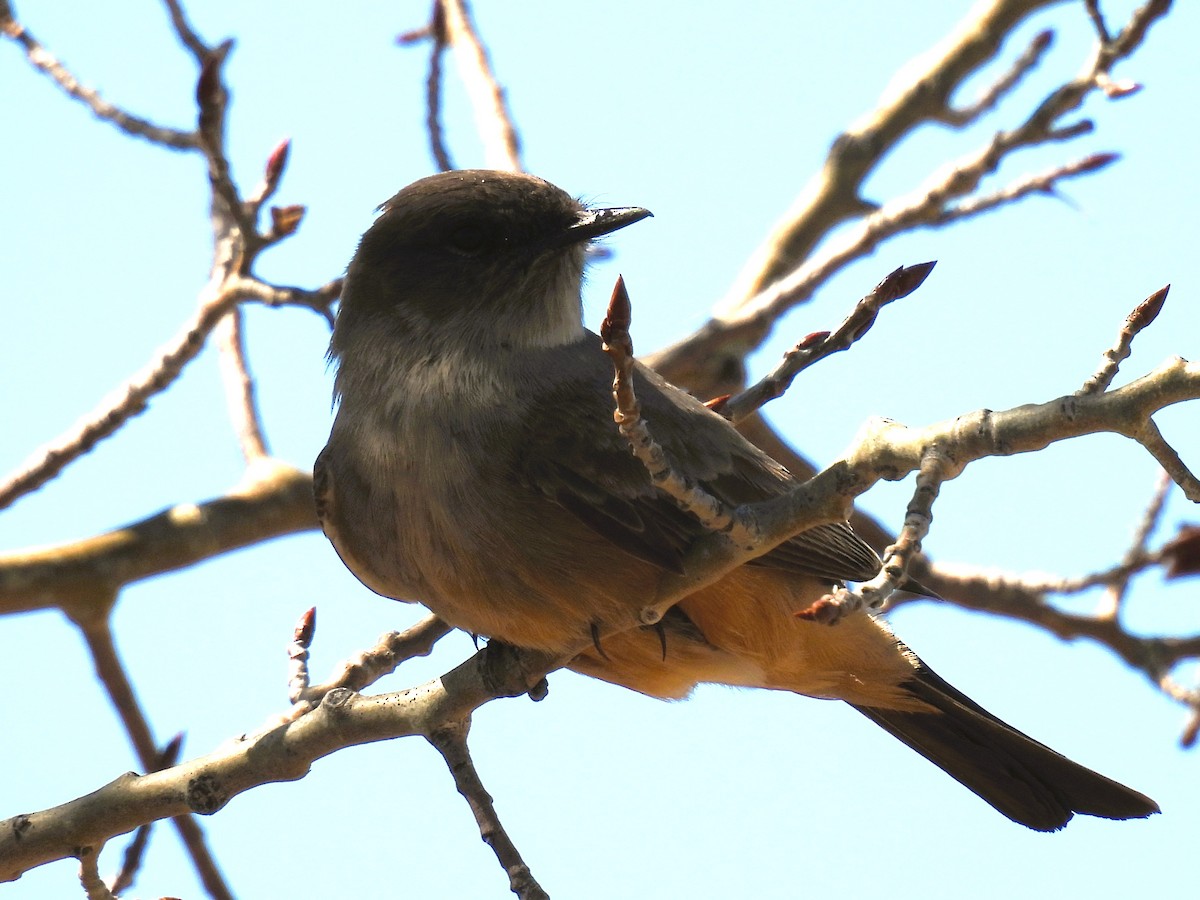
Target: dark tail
(1025, 780)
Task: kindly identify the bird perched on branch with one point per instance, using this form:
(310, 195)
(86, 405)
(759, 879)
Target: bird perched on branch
(474, 466)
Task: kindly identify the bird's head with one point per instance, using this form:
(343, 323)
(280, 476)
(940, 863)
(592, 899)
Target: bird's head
(475, 255)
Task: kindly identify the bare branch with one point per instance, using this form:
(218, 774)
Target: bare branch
(389, 652)
(1138, 556)
(784, 273)
(1093, 11)
(451, 742)
(707, 508)
(285, 753)
(1145, 313)
(275, 499)
(302, 637)
(44, 61)
(131, 398)
(997, 90)
(1024, 600)
(914, 99)
(502, 149)
(1152, 439)
(93, 621)
(212, 98)
(433, 89)
(184, 31)
(94, 887)
(1045, 183)
(239, 388)
(136, 851)
(1191, 730)
(815, 347)
(935, 467)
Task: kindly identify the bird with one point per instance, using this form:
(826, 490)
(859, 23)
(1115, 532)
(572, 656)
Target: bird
(473, 465)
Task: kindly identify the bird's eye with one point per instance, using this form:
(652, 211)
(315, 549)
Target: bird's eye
(469, 240)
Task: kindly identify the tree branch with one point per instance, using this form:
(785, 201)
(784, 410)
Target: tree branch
(783, 272)
(451, 742)
(274, 499)
(131, 398)
(45, 62)
(502, 148)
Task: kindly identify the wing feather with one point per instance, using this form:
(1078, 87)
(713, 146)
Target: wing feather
(585, 466)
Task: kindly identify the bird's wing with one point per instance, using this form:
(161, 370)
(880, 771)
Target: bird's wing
(573, 454)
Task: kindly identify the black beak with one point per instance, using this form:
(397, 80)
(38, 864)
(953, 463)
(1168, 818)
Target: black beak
(594, 223)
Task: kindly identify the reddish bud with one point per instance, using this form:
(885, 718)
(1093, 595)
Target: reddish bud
(414, 36)
(306, 628)
(1116, 90)
(912, 277)
(620, 312)
(718, 404)
(277, 161)
(1187, 740)
(825, 611)
(811, 340)
(169, 755)
(1147, 311)
(1095, 162)
(286, 219)
(1182, 553)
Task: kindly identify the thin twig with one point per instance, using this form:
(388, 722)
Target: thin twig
(131, 398)
(212, 99)
(136, 851)
(389, 652)
(1191, 729)
(929, 206)
(1117, 588)
(44, 61)
(1143, 315)
(239, 387)
(184, 31)
(709, 509)
(1093, 11)
(451, 742)
(302, 637)
(935, 468)
(433, 89)
(988, 98)
(898, 284)
(501, 147)
(784, 272)
(1023, 599)
(1044, 183)
(94, 887)
(274, 499)
(93, 622)
(1157, 446)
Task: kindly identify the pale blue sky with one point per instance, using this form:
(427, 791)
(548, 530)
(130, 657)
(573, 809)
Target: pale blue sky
(714, 119)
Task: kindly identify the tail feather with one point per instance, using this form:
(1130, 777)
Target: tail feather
(1022, 778)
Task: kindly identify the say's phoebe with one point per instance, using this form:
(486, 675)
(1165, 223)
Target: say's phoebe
(474, 466)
